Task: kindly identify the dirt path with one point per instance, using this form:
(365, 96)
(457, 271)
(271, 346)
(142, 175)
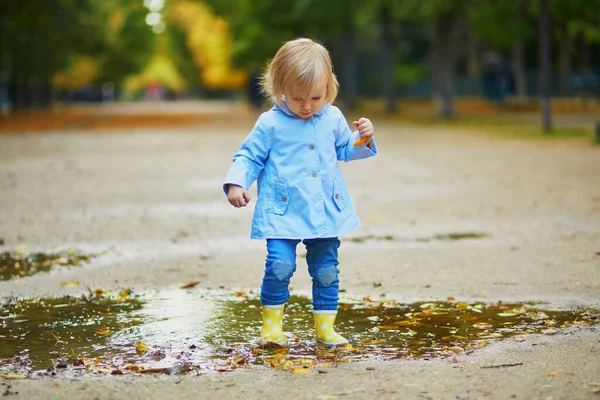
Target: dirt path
(153, 199)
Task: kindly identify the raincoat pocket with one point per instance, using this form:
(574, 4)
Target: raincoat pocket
(281, 199)
(338, 194)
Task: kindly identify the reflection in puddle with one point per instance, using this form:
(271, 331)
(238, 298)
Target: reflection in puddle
(195, 331)
(15, 265)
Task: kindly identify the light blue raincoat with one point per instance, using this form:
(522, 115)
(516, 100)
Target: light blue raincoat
(301, 191)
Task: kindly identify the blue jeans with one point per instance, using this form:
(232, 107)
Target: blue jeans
(322, 260)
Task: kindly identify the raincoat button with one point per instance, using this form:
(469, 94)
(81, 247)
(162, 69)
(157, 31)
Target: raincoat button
(312, 147)
(337, 195)
(314, 174)
(284, 199)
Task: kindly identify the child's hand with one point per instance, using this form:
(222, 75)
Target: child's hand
(237, 196)
(365, 128)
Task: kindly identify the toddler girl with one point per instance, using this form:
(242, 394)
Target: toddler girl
(293, 151)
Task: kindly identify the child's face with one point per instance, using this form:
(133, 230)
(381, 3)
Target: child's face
(305, 102)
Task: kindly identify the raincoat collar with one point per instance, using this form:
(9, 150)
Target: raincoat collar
(283, 107)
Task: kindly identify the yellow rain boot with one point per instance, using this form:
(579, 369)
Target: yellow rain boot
(324, 320)
(272, 330)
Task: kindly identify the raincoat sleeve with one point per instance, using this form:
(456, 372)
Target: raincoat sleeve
(344, 144)
(250, 160)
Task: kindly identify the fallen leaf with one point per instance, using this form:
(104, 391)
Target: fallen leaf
(103, 331)
(69, 284)
(300, 371)
(406, 323)
(13, 377)
(21, 249)
(456, 349)
(553, 372)
(154, 371)
(389, 327)
(141, 346)
(549, 331)
(190, 285)
(482, 325)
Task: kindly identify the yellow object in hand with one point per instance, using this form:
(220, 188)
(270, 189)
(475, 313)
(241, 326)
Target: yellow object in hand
(360, 141)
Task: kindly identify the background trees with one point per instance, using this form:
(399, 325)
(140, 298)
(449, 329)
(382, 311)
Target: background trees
(381, 48)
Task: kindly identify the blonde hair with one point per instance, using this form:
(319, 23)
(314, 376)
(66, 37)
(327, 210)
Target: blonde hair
(301, 62)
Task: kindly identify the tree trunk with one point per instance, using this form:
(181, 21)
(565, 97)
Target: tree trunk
(473, 65)
(349, 59)
(444, 56)
(544, 77)
(389, 83)
(519, 69)
(564, 56)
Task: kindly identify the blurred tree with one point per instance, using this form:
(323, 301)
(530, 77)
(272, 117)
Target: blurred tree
(544, 37)
(98, 40)
(504, 25)
(260, 27)
(37, 39)
(126, 41)
(209, 43)
(160, 69)
(576, 26)
(447, 23)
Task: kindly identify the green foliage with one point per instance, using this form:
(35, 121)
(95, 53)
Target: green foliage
(501, 23)
(126, 43)
(41, 37)
(406, 74)
(179, 52)
(38, 36)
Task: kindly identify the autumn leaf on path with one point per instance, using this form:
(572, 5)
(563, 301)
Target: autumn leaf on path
(141, 346)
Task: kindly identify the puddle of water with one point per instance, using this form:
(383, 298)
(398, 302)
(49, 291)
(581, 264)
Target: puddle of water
(195, 331)
(15, 265)
(453, 236)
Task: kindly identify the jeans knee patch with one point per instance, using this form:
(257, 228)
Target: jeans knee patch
(283, 269)
(327, 275)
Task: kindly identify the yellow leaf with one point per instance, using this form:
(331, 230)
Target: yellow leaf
(125, 292)
(69, 284)
(21, 249)
(14, 376)
(409, 332)
(388, 327)
(141, 346)
(549, 331)
(103, 331)
(456, 349)
(300, 371)
(552, 372)
(406, 323)
(482, 325)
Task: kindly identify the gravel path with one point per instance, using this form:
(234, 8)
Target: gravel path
(153, 199)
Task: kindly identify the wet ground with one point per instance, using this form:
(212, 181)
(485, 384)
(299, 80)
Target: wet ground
(476, 272)
(196, 331)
